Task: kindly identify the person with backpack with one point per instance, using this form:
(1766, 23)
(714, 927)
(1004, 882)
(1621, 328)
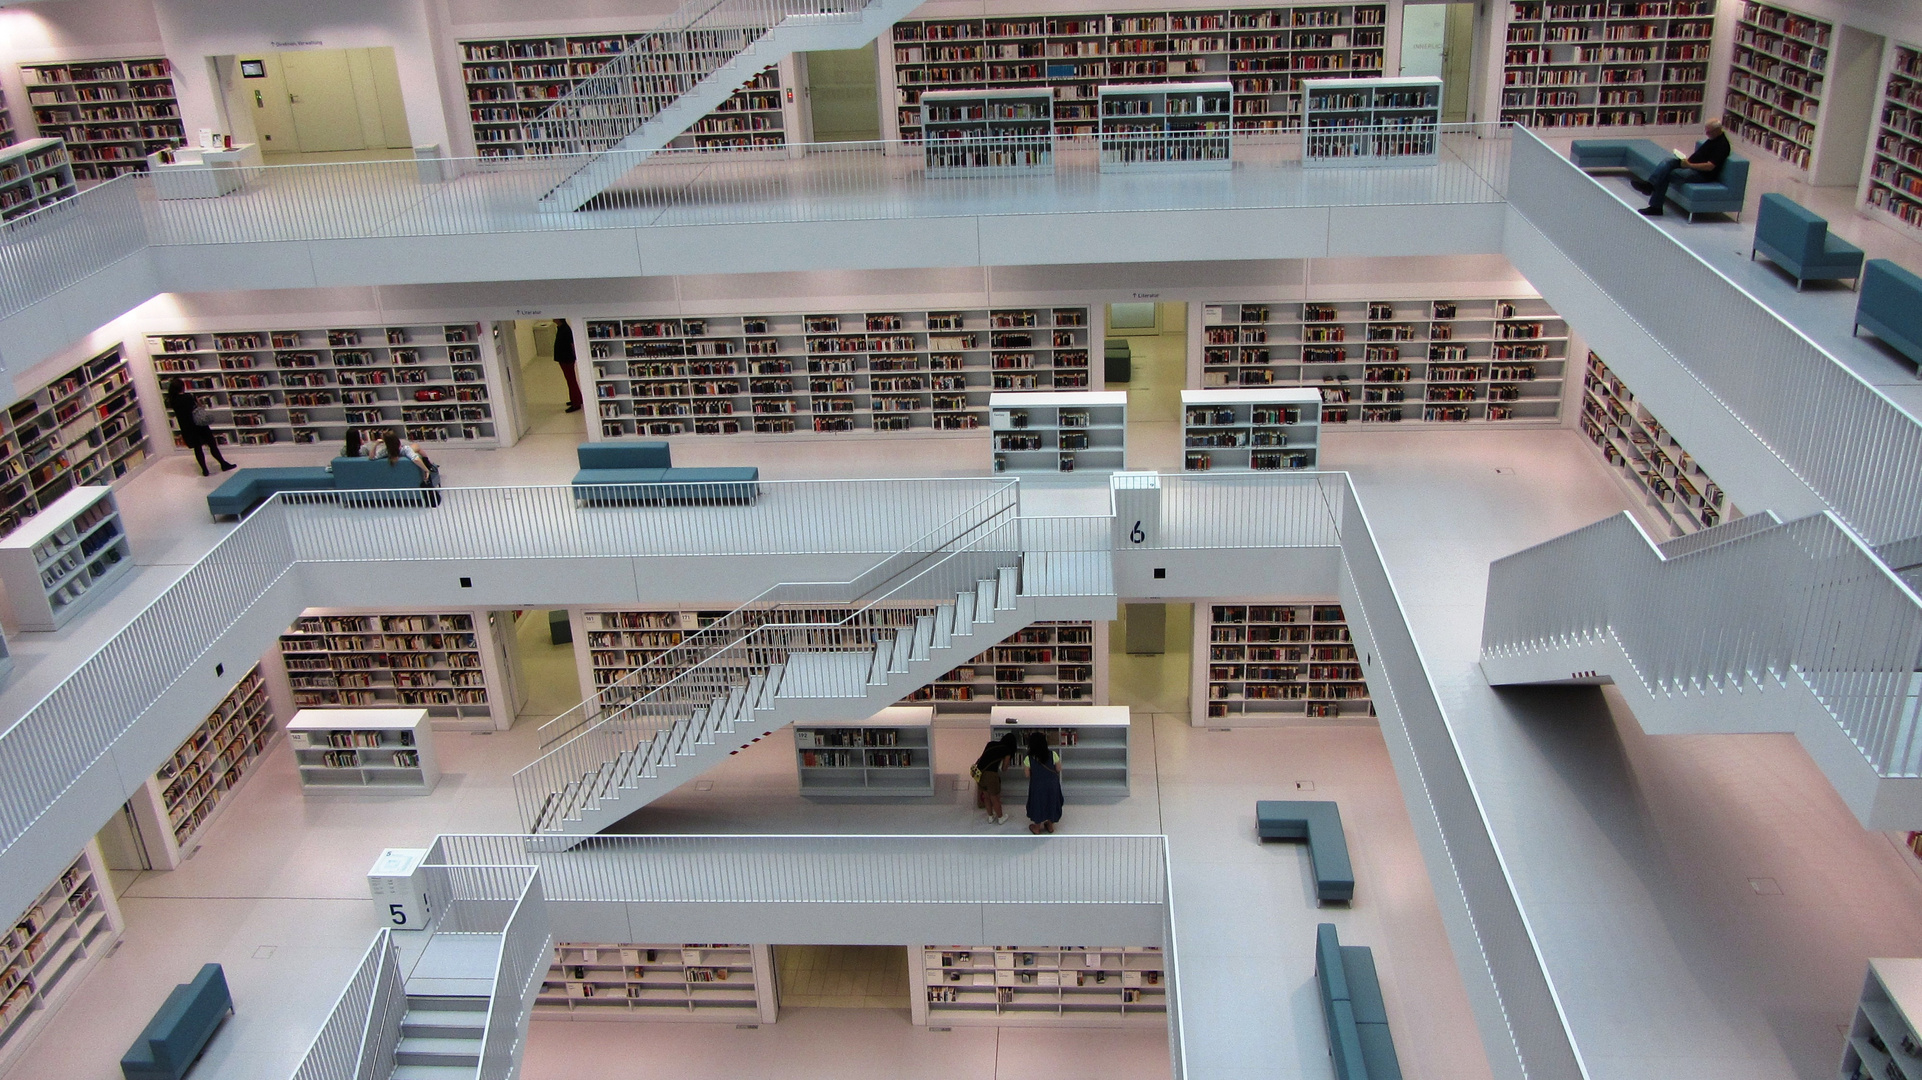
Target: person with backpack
(987, 776)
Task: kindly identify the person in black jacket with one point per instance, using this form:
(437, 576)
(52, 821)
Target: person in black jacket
(564, 356)
(1704, 166)
(195, 433)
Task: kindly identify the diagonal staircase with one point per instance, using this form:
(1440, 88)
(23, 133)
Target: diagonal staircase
(640, 101)
(793, 673)
(441, 1037)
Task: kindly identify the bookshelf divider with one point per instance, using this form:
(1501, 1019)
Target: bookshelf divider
(1264, 662)
(51, 947)
(112, 113)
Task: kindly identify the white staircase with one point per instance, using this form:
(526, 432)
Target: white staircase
(842, 684)
(440, 1038)
(648, 96)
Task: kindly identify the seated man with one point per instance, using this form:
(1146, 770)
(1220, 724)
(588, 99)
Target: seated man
(1704, 166)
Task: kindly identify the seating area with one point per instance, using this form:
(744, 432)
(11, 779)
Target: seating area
(248, 488)
(1641, 157)
(175, 1037)
(643, 474)
(1359, 1041)
(1797, 240)
(1890, 307)
(1319, 823)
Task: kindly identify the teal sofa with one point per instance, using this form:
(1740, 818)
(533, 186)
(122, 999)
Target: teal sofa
(1359, 1041)
(1890, 307)
(1641, 158)
(643, 474)
(1797, 240)
(175, 1037)
(1319, 823)
(375, 482)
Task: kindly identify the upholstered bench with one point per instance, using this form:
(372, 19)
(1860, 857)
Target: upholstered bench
(643, 474)
(1642, 157)
(1890, 307)
(174, 1038)
(1359, 1041)
(1798, 240)
(366, 482)
(1319, 823)
(247, 488)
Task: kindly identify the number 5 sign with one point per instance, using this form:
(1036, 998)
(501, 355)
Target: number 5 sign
(1137, 509)
(399, 888)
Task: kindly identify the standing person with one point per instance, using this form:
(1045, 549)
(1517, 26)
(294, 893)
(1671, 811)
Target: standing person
(564, 356)
(1704, 166)
(191, 418)
(987, 776)
(1044, 785)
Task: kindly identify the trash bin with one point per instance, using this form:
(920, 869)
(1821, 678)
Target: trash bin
(559, 630)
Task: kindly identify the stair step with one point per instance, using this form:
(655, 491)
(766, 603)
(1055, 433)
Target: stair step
(923, 637)
(984, 600)
(964, 615)
(878, 666)
(826, 674)
(443, 1025)
(435, 1072)
(770, 686)
(447, 1003)
(943, 626)
(412, 1051)
(903, 645)
(756, 689)
(1006, 587)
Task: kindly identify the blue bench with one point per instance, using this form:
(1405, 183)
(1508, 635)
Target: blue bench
(1359, 1042)
(1641, 158)
(1319, 823)
(1890, 307)
(1797, 240)
(643, 474)
(174, 1038)
(247, 488)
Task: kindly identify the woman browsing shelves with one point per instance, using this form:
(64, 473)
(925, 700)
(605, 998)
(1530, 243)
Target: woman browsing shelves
(190, 416)
(987, 776)
(1044, 785)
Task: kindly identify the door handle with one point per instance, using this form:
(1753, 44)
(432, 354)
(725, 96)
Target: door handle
(292, 100)
(259, 102)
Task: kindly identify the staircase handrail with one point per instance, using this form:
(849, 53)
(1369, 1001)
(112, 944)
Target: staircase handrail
(356, 1041)
(718, 634)
(525, 947)
(1803, 600)
(625, 729)
(601, 109)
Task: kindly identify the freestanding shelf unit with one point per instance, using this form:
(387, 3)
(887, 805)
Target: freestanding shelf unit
(1277, 428)
(59, 561)
(1007, 132)
(888, 755)
(1091, 739)
(1041, 433)
(1351, 122)
(1173, 126)
(373, 750)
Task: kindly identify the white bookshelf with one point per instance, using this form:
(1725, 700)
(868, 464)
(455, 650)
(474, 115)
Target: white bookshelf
(1005, 132)
(888, 755)
(1264, 52)
(1185, 127)
(1056, 985)
(1777, 81)
(446, 662)
(34, 174)
(715, 982)
(1400, 361)
(1883, 1043)
(84, 427)
(1667, 482)
(111, 113)
(1044, 663)
(374, 750)
(1250, 429)
(512, 82)
(177, 803)
(51, 947)
(7, 135)
(1892, 184)
(1351, 122)
(1091, 739)
(1606, 63)
(303, 387)
(1042, 434)
(66, 557)
(1268, 662)
(827, 372)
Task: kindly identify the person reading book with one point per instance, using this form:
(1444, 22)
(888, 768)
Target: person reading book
(1703, 166)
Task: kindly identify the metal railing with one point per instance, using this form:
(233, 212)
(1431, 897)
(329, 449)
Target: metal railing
(55, 248)
(1251, 510)
(1803, 599)
(756, 640)
(526, 948)
(357, 1040)
(1858, 452)
(853, 869)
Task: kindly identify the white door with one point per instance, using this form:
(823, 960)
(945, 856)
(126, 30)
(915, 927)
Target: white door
(320, 94)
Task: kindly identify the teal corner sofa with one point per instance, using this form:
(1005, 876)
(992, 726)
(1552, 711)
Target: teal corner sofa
(1797, 240)
(375, 483)
(643, 474)
(1359, 1041)
(1641, 158)
(173, 1040)
(1319, 823)
(1890, 307)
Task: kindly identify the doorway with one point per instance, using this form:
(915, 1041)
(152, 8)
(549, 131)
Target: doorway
(315, 105)
(1154, 682)
(842, 976)
(842, 102)
(1438, 41)
(1157, 339)
(527, 350)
